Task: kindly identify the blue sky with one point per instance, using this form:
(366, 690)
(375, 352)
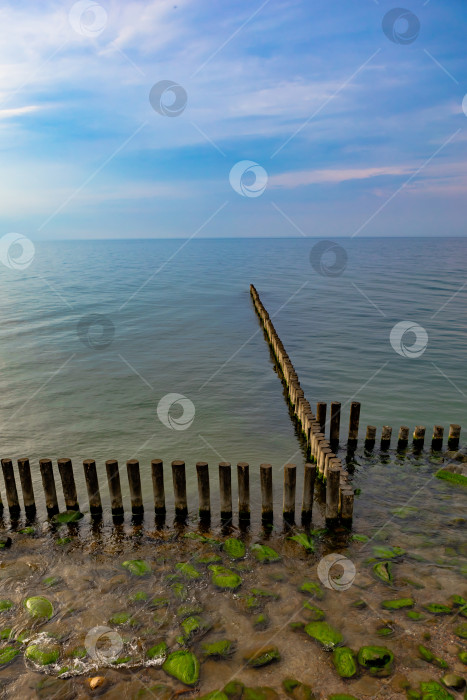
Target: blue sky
(358, 134)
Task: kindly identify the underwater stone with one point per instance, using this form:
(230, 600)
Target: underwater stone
(234, 690)
(377, 660)
(261, 621)
(234, 548)
(182, 665)
(312, 588)
(461, 630)
(43, 653)
(450, 680)
(344, 661)
(38, 606)
(158, 651)
(324, 634)
(187, 570)
(224, 578)
(262, 656)
(264, 554)
(68, 516)
(215, 695)
(7, 654)
(260, 693)
(316, 613)
(428, 656)
(296, 690)
(383, 571)
(438, 609)
(5, 604)
(398, 604)
(188, 610)
(221, 649)
(434, 691)
(137, 567)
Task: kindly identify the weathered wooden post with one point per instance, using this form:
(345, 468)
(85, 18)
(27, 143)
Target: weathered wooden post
(347, 502)
(27, 487)
(332, 493)
(65, 469)
(335, 424)
(157, 471)
(179, 483)
(386, 433)
(419, 437)
(403, 439)
(225, 490)
(10, 488)
(204, 494)
(265, 472)
(321, 408)
(324, 454)
(134, 482)
(309, 479)
(113, 479)
(290, 480)
(243, 473)
(437, 440)
(92, 486)
(48, 484)
(454, 436)
(370, 438)
(353, 425)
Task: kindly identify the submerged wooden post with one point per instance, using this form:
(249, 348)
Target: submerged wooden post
(454, 436)
(113, 479)
(290, 480)
(26, 486)
(403, 439)
(332, 493)
(386, 433)
(225, 489)
(243, 473)
(321, 408)
(157, 471)
(65, 469)
(265, 473)
(204, 493)
(370, 437)
(419, 437)
(48, 484)
(437, 439)
(347, 502)
(92, 485)
(134, 482)
(179, 483)
(354, 421)
(10, 488)
(309, 479)
(335, 423)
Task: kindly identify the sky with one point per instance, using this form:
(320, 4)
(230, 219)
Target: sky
(322, 118)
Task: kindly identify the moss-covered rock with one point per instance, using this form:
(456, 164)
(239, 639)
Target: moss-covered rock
(179, 590)
(450, 680)
(189, 609)
(262, 656)
(344, 661)
(192, 625)
(160, 602)
(306, 541)
(398, 604)
(324, 634)
(313, 612)
(313, 589)
(461, 630)
(261, 621)
(182, 665)
(188, 571)
(434, 691)
(234, 690)
(43, 653)
(382, 552)
(260, 693)
(209, 558)
(438, 609)
(296, 690)
(342, 696)
(68, 516)
(451, 477)
(7, 654)
(462, 656)
(265, 554)
(120, 618)
(428, 656)
(215, 695)
(220, 649)
(137, 567)
(377, 660)
(5, 605)
(138, 597)
(416, 616)
(234, 548)
(39, 607)
(383, 571)
(225, 578)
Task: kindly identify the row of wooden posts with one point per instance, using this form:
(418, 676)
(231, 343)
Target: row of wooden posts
(65, 469)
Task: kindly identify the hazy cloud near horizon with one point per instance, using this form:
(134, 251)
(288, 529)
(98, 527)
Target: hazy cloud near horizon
(353, 131)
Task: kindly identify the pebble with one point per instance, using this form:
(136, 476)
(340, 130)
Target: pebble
(96, 682)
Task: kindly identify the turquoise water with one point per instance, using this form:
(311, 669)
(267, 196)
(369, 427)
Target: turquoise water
(183, 322)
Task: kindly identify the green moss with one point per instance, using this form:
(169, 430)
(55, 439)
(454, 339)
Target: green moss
(210, 558)
(121, 660)
(383, 571)
(27, 531)
(188, 610)
(158, 651)
(42, 654)
(316, 613)
(262, 657)
(137, 567)
(138, 597)
(265, 554)
(342, 696)
(312, 588)
(188, 571)
(182, 665)
(457, 479)
(215, 695)
(359, 538)
(50, 581)
(324, 634)
(462, 656)
(377, 660)
(220, 649)
(234, 548)
(261, 621)
(234, 690)
(359, 604)
(161, 602)
(79, 653)
(461, 630)
(68, 516)
(428, 656)
(5, 633)
(193, 624)
(458, 601)
(263, 593)
(416, 616)
(344, 661)
(398, 604)
(120, 618)
(179, 590)
(438, 609)
(39, 607)
(224, 578)
(434, 691)
(382, 552)
(305, 540)
(5, 604)
(7, 654)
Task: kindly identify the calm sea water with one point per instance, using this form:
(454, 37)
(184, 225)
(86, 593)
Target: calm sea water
(182, 322)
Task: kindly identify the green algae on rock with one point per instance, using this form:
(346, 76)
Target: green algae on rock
(416, 616)
(234, 548)
(382, 552)
(316, 613)
(377, 660)
(265, 554)
(450, 680)
(462, 656)
(260, 693)
(219, 649)
(191, 625)
(214, 695)
(324, 634)
(296, 690)
(187, 570)
(160, 602)
(5, 605)
(183, 666)
(312, 588)
(261, 621)
(452, 477)
(68, 516)
(461, 630)
(428, 656)
(383, 571)
(120, 618)
(43, 653)
(209, 558)
(157, 652)
(39, 607)
(224, 578)
(398, 604)
(262, 656)
(137, 567)
(344, 661)
(189, 609)
(342, 696)
(7, 654)
(234, 690)
(438, 609)
(305, 540)
(432, 690)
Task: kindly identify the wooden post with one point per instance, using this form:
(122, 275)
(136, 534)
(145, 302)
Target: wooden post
(454, 436)
(48, 484)
(332, 493)
(335, 424)
(113, 479)
(321, 415)
(370, 438)
(403, 439)
(308, 492)
(92, 485)
(386, 433)
(437, 440)
(225, 490)
(179, 482)
(265, 473)
(419, 437)
(157, 471)
(204, 494)
(290, 480)
(68, 484)
(27, 487)
(347, 501)
(243, 473)
(324, 454)
(10, 488)
(134, 481)
(353, 425)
